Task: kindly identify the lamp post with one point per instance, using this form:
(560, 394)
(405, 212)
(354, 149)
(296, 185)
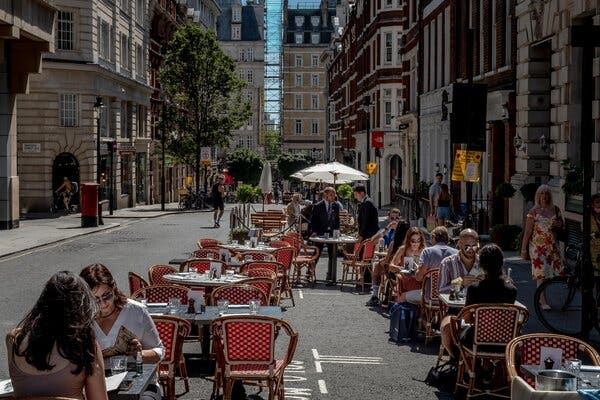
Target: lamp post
(98, 105)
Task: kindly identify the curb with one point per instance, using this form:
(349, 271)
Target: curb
(100, 229)
(162, 214)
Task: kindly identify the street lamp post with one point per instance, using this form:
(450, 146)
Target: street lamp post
(98, 105)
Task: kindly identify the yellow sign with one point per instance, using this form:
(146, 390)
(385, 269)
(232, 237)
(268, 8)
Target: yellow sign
(205, 163)
(467, 166)
(371, 168)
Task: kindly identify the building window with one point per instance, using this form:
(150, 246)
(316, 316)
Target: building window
(104, 118)
(298, 79)
(65, 38)
(387, 93)
(298, 102)
(388, 112)
(315, 80)
(126, 174)
(124, 5)
(139, 61)
(235, 32)
(249, 96)
(298, 130)
(105, 40)
(124, 52)
(315, 60)
(242, 55)
(389, 3)
(299, 38)
(250, 76)
(68, 109)
(139, 11)
(141, 121)
(126, 119)
(299, 21)
(250, 54)
(315, 38)
(400, 108)
(314, 101)
(314, 129)
(388, 48)
(298, 60)
(314, 20)
(237, 14)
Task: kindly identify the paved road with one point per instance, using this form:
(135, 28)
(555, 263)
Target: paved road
(343, 351)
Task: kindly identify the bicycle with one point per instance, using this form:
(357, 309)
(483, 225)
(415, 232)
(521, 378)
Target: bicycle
(563, 295)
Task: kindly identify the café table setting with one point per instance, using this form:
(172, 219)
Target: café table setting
(205, 279)
(334, 239)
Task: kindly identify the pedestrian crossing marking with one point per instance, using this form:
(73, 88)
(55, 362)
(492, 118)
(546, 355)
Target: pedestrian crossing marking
(320, 359)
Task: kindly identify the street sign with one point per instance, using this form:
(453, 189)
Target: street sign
(403, 126)
(377, 138)
(467, 166)
(371, 168)
(205, 155)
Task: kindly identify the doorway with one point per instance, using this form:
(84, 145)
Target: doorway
(140, 178)
(395, 177)
(66, 165)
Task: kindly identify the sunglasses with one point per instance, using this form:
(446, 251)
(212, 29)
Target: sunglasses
(106, 297)
(468, 247)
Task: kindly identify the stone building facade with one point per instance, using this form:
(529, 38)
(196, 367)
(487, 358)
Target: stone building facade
(27, 27)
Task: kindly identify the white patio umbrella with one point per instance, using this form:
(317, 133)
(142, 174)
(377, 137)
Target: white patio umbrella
(333, 172)
(266, 181)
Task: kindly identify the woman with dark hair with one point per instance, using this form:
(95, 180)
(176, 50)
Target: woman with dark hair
(123, 325)
(407, 257)
(443, 209)
(53, 351)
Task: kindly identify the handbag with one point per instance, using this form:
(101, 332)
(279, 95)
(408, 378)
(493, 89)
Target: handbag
(560, 233)
(443, 376)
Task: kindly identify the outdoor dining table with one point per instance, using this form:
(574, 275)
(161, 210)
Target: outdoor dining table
(588, 375)
(239, 248)
(194, 279)
(332, 262)
(459, 302)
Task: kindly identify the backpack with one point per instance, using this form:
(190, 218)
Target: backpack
(443, 376)
(403, 322)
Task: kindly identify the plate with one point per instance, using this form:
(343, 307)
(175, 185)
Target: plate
(6, 389)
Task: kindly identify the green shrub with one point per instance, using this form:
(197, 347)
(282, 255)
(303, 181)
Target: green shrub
(344, 191)
(245, 193)
(505, 236)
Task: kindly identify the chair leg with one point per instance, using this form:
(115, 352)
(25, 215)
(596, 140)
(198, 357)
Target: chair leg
(184, 375)
(227, 389)
(171, 388)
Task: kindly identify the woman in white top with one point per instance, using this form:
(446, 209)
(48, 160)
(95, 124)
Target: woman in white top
(123, 326)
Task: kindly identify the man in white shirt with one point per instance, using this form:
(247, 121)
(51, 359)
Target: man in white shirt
(464, 264)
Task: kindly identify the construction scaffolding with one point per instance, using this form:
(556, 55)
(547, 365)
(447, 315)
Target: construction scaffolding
(273, 66)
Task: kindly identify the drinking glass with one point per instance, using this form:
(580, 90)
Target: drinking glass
(193, 270)
(222, 306)
(229, 274)
(246, 243)
(210, 256)
(248, 258)
(118, 364)
(254, 304)
(174, 305)
(573, 366)
(144, 301)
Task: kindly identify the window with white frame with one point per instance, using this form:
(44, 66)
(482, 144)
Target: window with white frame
(298, 127)
(298, 102)
(298, 79)
(298, 60)
(315, 20)
(399, 107)
(387, 107)
(315, 80)
(250, 54)
(241, 55)
(315, 38)
(314, 60)
(250, 76)
(105, 40)
(139, 60)
(388, 48)
(299, 38)
(314, 101)
(140, 11)
(65, 26)
(68, 109)
(241, 75)
(235, 32)
(124, 5)
(399, 49)
(124, 51)
(299, 21)
(387, 93)
(314, 129)
(237, 14)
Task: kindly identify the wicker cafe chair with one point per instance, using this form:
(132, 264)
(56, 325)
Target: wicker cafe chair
(156, 273)
(285, 256)
(305, 257)
(208, 252)
(238, 294)
(136, 282)
(494, 326)
(162, 293)
(430, 303)
(278, 244)
(267, 286)
(260, 273)
(246, 348)
(255, 256)
(172, 332)
(525, 350)
(201, 264)
(353, 271)
(208, 242)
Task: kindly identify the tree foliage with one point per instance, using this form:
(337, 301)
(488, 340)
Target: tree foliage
(288, 163)
(245, 165)
(272, 145)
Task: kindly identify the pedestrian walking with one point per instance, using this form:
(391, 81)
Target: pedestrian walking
(368, 217)
(292, 212)
(434, 192)
(218, 198)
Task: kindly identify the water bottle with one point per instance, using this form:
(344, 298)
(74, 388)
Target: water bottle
(139, 363)
(508, 272)
(381, 244)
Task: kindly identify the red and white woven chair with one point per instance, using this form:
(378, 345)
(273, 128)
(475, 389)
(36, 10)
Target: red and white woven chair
(201, 264)
(136, 282)
(285, 256)
(255, 256)
(266, 285)
(156, 273)
(430, 304)
(353, 270)
(208, 242)
(260, 273)
(162, 293)
(172, 332)
(238, 294)
(278, 244)
(526, 349)
(305, 257)
(208, 252)
(494, 326)
(246, 350)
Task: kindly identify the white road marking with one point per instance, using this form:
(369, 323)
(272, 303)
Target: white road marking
(320, 359)
(325, 294)
(300, 294)
(322, 386)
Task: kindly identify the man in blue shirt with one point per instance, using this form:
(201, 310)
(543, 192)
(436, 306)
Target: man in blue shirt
(389, 225)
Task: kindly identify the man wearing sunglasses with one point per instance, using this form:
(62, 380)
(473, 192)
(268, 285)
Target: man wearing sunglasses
(464, 264)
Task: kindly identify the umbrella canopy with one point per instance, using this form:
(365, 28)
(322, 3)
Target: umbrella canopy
(333, 172)
(266, 179)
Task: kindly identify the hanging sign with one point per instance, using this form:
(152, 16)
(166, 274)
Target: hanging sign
(467, 166)
(377, 138)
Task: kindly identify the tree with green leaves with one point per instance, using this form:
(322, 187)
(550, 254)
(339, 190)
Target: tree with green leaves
(272, 145)
(203, 93)
(245, 165)
(288, 163)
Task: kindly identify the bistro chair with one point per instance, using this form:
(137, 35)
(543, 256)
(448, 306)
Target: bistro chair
(493, 327)
(353, 270)
(430, 304)
(136, 282)
(267, 286)
(156, 273)
(247, 349)
(525, 350)
(260, 273)
(208, 242)
(271, 265)
(278, 244)
(255, 256)
(201, 264)
(285, 256)
(208, 252)
(162, 293)
(238, 294)
(172, 332)
(305, 257)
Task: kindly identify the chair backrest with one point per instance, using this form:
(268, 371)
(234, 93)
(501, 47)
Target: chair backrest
(156, 273)
(162, 293)
(208, 252)
(208, 242)
(285, 256)
(238, 294)
(272, 265)
(526, 350)
(266, 285)
(278, 244)
(260, 273)
(368, 249)
(250, 339)
(136, 282)
(255, 256)
(496, 324)
(430, 288)
(172, 332)
(201, 264)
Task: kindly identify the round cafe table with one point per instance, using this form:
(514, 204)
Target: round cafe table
(332, 262)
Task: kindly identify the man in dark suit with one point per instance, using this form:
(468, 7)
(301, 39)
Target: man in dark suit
(325, 217)
(368, 217)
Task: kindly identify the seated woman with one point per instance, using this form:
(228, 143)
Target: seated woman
(492, 289)
(123, 326)
(408, 253)
(53, 350)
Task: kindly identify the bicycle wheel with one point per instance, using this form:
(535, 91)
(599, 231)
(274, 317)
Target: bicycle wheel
(563, 295)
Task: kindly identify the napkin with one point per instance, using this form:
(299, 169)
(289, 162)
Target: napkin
(590, 394)
(113, 381)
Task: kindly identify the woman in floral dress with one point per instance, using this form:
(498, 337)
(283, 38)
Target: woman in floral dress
(539, 241)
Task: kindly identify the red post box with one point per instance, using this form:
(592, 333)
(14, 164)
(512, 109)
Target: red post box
(89, 204)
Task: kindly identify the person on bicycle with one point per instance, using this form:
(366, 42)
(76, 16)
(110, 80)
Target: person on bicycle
(218, 198)
(65, 191)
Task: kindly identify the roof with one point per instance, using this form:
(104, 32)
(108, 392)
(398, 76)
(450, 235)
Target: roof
(252, 20)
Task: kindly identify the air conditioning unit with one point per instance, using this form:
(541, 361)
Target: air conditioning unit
(190, 12)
